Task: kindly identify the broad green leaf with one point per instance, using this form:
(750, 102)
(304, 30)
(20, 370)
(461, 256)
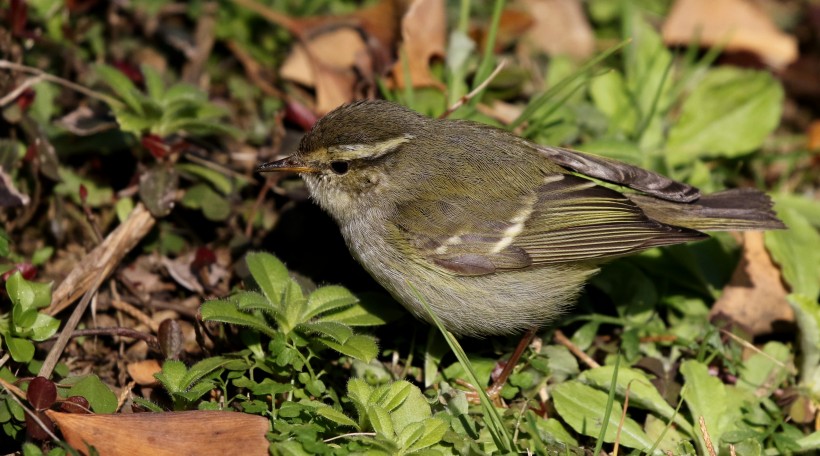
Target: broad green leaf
(642, 393)
(795, 250)
(371, 310)
(433, 430)
(338, 332)
(807, 316)
(43, 327)
(380, 421)
(327, 299)
(22, 350)
(100, 398)
(410, 435)
(359, 393)
(730, 113)
(414, 408)
(252, 300)
(20, 291)
(97, 195)
(358, 346)
(218, 180)
(706, 396)
(610, 96)
(397, 393)
(203, 368)
(226, 312)
(172, 376)
(269, 274)
(154, 84)
(336, 416)
(767, 369)
(122, 87)
(583, 408)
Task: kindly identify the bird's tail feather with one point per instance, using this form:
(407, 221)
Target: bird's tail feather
(729, 210)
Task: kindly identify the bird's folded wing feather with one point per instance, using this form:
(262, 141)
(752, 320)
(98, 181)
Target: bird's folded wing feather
(566, 219)
(621, 173)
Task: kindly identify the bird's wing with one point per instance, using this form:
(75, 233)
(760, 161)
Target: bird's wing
(566, 219)
(621, 173)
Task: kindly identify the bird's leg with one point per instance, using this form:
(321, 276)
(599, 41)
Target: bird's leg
(494, 391)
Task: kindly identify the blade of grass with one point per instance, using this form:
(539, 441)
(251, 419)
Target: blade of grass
(501, 436)
(545, 97)
(485, 67)
(610, 400)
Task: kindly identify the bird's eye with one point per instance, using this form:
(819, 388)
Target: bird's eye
(339, 167)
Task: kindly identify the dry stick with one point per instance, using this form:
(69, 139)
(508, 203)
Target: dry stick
(111, 101)
(562, 339)
(68, 329)
(622, 421)
(101, 261)
(475, 91)
(788, 368)
(11, 96)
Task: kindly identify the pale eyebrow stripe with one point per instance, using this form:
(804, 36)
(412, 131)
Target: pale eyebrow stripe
(357, 151)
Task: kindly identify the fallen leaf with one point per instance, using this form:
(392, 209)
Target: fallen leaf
(143, 372)
(560, 27)
(738, 25)
(755, 296)
(203, 433)
(512, 25)
(424, 37)
(813, 136)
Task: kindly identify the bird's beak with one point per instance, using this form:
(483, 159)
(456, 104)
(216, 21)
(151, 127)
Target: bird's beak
(287, 164)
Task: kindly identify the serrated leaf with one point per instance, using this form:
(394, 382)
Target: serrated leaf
(328, 298)
(730, 113)
(583, 408)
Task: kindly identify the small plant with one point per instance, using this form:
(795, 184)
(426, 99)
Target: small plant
(25, 325)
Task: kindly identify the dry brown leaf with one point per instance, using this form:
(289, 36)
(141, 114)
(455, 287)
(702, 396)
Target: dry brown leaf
(143, 372)
(511, 27)
(743, 24)
(560, 27)
(755, 296)
(202, 433)
(424, 37)
(813, 136)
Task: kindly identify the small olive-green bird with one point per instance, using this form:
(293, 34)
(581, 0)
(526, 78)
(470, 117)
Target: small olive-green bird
(497, 234)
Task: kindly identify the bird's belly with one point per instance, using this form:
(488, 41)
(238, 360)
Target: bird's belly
(500, 303)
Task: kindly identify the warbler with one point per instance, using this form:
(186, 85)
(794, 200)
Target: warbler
(495, 233)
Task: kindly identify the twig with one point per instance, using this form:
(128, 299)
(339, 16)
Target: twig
(33, 415)
(11, 96)
(57, 350)
(789, 369)
(562, 339)
(352, 434)
(111, 101)
(622, 421)
(475, 91)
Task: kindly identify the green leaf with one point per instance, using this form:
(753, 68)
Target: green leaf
(203, 368)
(22, 350)
(380, 420)
(270, 275)
(43, 327)
(336, 416)
(795, 250)
(807, 316)
(172, 376)
(433, 430)
(219, 181)
(730, 113)
(338, 332)
(154, 84)
(396, 394)
(122, 87)
(358, 346)
(767, 370)
(226, 312)
(326, 299)
(642, 393)
(707, 397)
(99, 396)
(609, 94)
(371, 310)
(583, 408)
